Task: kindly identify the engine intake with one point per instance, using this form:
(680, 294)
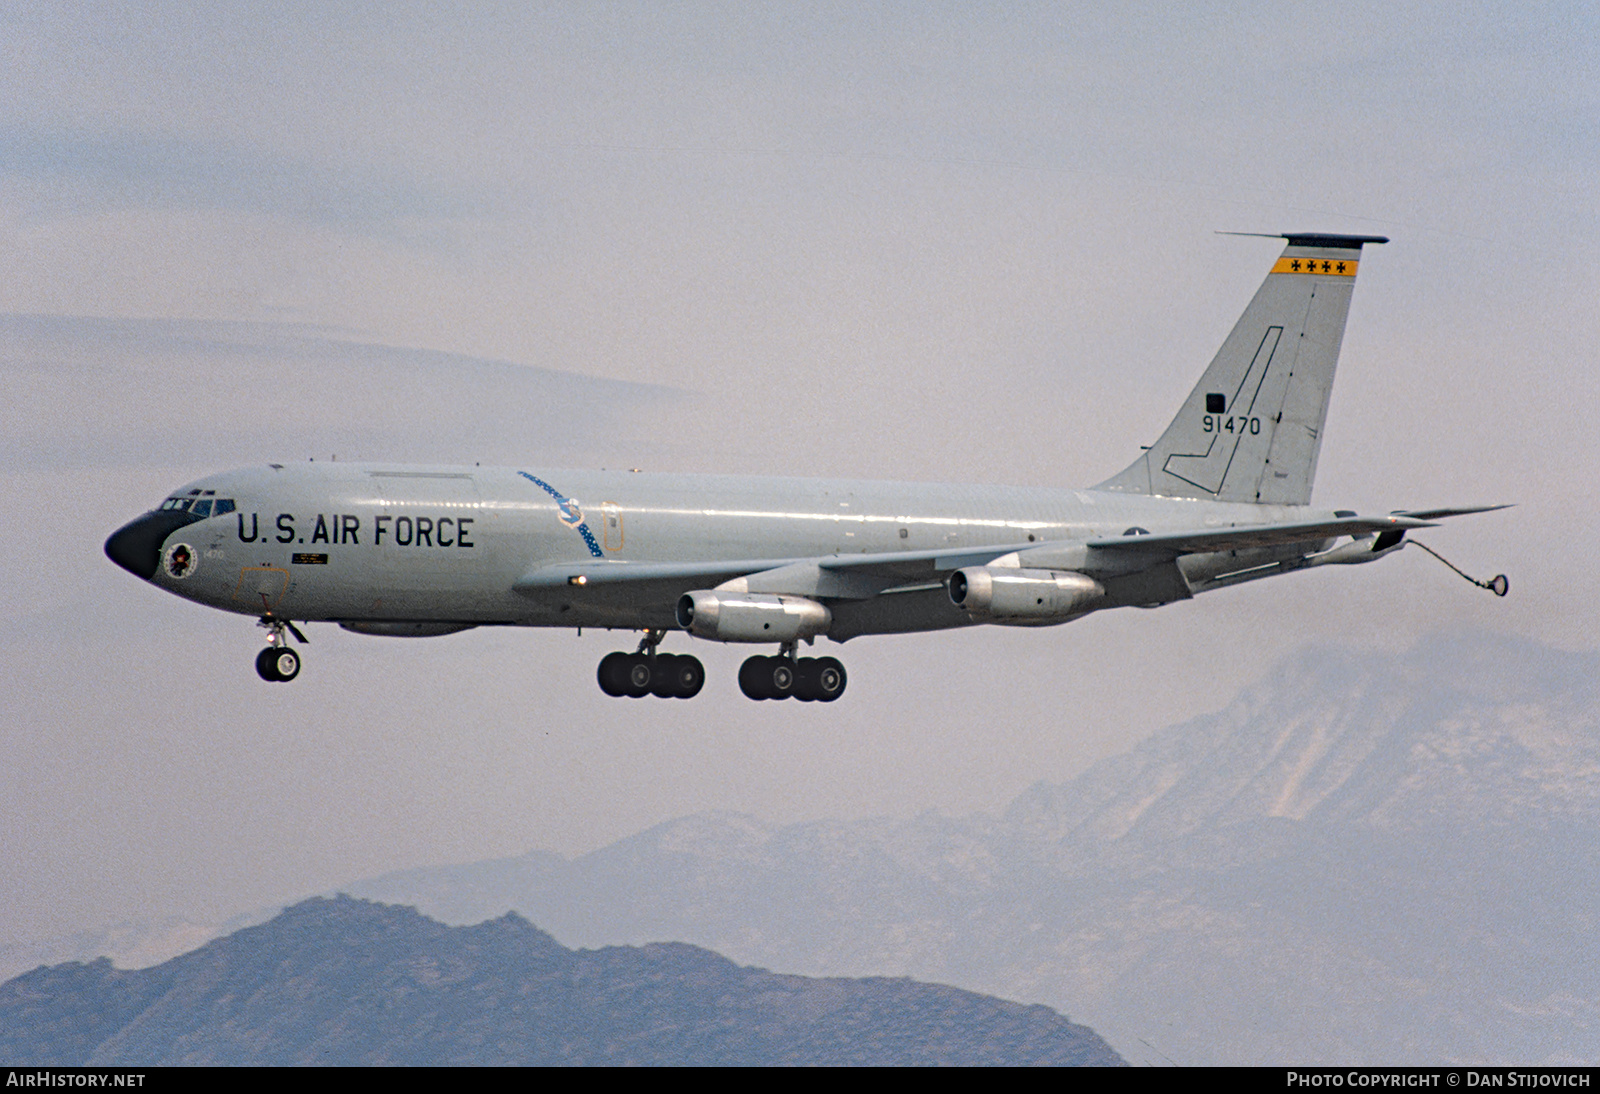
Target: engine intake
(751, 617)
(997, 594)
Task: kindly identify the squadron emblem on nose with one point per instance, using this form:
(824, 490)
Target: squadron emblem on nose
(180, 560)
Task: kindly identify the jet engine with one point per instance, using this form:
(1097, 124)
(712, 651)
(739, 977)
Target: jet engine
(997, 594)
(751, 617)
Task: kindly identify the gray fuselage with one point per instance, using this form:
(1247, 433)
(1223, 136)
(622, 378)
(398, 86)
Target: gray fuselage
(356, 543)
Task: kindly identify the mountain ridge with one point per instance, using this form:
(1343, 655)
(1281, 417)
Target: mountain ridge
(350, 982)
(1405, 827)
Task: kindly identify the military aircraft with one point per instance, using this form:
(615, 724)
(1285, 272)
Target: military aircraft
(1220, 499)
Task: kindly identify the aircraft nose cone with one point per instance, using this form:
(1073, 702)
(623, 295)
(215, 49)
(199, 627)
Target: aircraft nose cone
(136, 546)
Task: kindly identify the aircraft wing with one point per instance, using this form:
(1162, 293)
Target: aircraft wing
(860, 577)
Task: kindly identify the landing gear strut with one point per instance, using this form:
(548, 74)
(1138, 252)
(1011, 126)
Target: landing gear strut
(646, 672)
(278, 664)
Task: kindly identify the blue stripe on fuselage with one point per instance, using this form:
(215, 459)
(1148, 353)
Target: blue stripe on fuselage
(565, 505)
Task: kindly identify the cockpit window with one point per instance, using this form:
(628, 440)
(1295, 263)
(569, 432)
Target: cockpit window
(199, 507)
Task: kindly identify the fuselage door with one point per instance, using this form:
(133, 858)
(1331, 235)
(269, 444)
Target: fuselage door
(261, 587)
(611, 517)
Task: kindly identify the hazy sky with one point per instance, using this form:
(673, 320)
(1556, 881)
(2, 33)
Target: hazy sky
(883, 241)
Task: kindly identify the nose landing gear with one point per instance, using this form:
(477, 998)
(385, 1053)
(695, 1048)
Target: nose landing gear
(278, 664)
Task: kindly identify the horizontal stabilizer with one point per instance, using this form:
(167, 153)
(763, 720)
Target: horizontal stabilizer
(1251, 536)
(1438, 514)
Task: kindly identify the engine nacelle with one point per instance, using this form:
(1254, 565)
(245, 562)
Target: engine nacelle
(998, 594)
(751, 617)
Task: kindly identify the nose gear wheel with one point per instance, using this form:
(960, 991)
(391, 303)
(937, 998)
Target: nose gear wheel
(278, 664)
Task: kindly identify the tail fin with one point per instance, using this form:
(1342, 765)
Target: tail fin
(1251, 429)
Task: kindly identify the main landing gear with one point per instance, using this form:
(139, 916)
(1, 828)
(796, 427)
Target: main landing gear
(679, 676)
(664, 675)
(809, 679)
(278, 664)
